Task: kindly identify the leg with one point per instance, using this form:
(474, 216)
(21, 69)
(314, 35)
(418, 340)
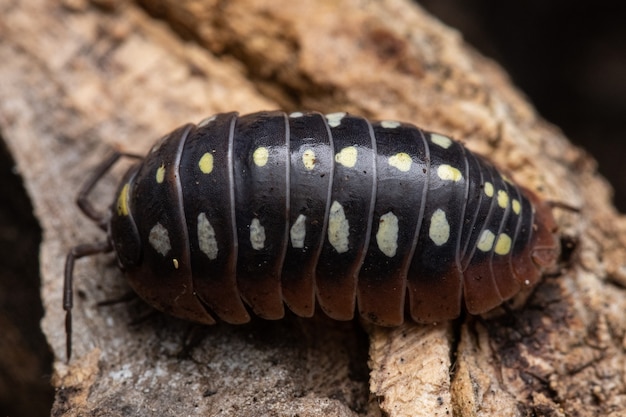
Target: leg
(75, 253)
(82, 200)
(88, 249)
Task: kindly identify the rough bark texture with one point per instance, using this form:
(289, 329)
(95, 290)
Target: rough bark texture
(81, 78)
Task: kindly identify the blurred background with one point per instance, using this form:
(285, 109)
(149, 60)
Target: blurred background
(569, 58)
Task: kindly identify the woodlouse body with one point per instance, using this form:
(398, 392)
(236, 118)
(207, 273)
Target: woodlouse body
(270, 209)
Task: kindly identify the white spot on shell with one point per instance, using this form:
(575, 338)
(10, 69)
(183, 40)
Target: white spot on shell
(449, 173)
(334, 119)
(298, 232)
(439, 231)
(159, 239)
(389, 124)
(308, 159)
(206, 121)
(338, 228)
(206, 237)
(387, 235)
(443, 141)
(347, 156)
(401, 161)
(485, 242)
(296, 114)
(257, 234)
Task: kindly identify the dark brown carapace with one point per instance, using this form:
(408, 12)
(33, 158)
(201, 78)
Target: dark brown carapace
(266, 210)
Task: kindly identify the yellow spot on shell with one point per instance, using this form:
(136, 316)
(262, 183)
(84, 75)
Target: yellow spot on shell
(443, 141)
(439, 231)
(449, 173)
(206, 163)
(260, 156)
(489, 189)
(503, 244)
(160, 174)
(122, 201)
(308, 159)
(175, 262)
(517, 207)
(485, 242)
(389, 124)
(347, 156)
(402, 161)
(503, 198)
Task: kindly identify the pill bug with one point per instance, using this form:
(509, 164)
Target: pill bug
(256, 212)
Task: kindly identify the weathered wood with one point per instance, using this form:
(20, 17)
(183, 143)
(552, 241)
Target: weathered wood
(80, 78)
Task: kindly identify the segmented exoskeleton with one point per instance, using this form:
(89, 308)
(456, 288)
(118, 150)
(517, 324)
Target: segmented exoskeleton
(273, 209)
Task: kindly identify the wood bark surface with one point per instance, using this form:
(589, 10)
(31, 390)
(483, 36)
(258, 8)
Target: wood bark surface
(81, 78)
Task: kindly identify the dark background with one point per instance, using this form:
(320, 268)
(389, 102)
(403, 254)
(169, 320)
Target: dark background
(568, 57)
